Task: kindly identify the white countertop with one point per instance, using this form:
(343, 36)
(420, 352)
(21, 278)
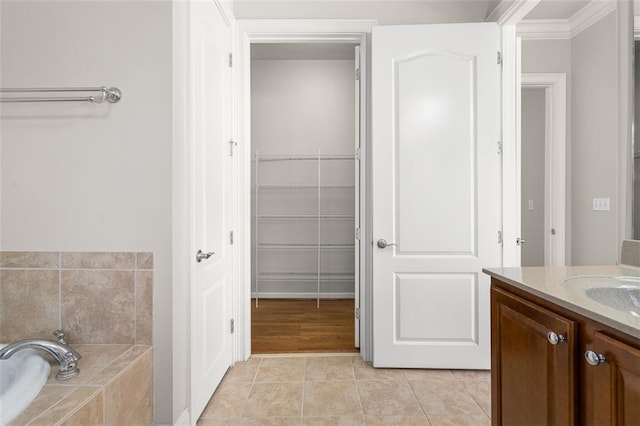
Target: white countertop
(556, 285)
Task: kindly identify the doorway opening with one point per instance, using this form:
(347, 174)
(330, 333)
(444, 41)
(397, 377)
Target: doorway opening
(305, 197)
(543, 169)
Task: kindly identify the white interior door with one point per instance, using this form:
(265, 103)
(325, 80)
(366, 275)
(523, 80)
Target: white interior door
(212, 166)
(356, 290)
(436, 193)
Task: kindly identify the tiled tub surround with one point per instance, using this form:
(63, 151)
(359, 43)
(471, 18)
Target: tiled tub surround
(104, 298)
(114, 387)
(104, 304)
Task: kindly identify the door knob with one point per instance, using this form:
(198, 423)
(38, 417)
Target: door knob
(520, 241)
(200, 256)
(384, 244)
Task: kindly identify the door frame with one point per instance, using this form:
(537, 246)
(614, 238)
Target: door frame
(555, 164)
(292, 31)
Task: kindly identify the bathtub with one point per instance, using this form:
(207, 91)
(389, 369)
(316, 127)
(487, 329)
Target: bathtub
(21, 378)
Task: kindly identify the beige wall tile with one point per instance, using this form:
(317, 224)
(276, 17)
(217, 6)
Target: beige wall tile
(95, 358)
(129, 397)
(144, 260)
(98, 260)
(98, 306)
(48, 396)
(92, 413)
(29, 259)
(70, 403)
(29, 304)
(144, 307)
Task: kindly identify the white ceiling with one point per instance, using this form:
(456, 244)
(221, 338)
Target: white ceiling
(386, 12)
(557, 9)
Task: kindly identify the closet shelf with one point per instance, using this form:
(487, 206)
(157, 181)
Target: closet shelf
(306, 216)
(301, 247)
(304, 276)
(263, 157)
(314, 187)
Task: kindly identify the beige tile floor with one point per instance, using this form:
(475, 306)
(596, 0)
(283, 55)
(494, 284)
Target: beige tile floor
(344, 390)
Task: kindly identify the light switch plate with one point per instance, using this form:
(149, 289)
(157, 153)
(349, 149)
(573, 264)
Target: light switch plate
(600, 204)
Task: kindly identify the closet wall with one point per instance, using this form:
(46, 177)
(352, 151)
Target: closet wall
(303, 107)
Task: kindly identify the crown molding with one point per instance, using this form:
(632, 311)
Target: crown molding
(509, 12)
(564, 29)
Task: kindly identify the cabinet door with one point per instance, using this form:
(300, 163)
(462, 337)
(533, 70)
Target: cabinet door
(533, 379)
(616, 382)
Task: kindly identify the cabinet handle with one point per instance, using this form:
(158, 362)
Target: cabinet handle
(554, 338)
(594, 358)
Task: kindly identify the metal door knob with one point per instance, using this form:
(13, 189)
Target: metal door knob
(554, 338)
(594, 358)
(383, 243)
(200, 256)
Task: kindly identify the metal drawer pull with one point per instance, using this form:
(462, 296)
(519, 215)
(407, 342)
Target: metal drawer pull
(594, 358)
(554, 338)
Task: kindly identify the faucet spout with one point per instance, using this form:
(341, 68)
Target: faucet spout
(66, 357)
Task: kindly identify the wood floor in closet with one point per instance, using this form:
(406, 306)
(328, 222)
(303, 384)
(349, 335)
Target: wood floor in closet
(297, 325)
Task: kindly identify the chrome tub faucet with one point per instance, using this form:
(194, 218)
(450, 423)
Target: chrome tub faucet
(66, 357)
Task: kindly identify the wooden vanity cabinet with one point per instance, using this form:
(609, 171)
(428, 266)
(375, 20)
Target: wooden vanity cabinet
(614, 383)
(537, 382)
(533, 371)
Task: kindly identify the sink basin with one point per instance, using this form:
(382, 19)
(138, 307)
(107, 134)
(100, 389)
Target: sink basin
(21, 379)
(624, 298)
(618, 292)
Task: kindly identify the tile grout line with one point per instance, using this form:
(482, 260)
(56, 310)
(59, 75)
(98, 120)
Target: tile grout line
(413, 392)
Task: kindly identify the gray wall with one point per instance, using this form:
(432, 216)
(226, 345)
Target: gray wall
(594, 142)
(533, 151)
(590, 62)
(82, 177)
(636, 162)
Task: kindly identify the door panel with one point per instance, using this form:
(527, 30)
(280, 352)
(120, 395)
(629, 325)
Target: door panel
(434, 112)
(210, 125)
(436, 193)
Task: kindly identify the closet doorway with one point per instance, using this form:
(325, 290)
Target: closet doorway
(305, 209)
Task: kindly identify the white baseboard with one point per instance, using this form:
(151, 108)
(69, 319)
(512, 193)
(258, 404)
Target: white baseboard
(183, 420)
(278, 295)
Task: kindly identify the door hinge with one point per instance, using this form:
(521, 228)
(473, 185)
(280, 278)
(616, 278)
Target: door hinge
(230, 59)
(357, 74)
(232, 144)
(499, 237)
(358, 234)
(499, 58)
(233, 326)
(499, 147)
(357, 154)
(231, 237)
(357, 313)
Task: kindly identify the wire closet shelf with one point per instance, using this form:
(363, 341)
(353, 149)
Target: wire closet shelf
(318, 217)
(96, 95)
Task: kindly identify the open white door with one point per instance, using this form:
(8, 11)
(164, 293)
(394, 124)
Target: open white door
(436, 193)
(210, 94)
